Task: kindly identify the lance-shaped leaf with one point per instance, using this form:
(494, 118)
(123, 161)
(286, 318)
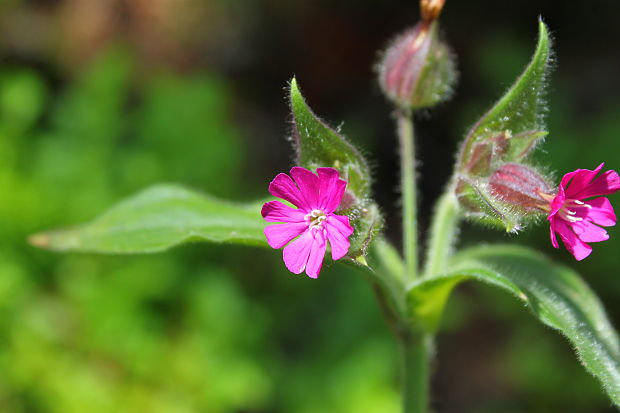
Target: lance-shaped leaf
(506, 133)
(520, 112)
(160, 218)
(555, 295)
(318, 145)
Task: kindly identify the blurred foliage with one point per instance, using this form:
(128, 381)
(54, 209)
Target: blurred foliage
(94, 109)
(148, 334)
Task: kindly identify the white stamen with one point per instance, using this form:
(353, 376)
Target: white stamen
(315, 218)
(577, 203)
(570, 215)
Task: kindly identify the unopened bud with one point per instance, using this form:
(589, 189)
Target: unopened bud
(512, 195)
(417, 69)
(520, 186)
(430, 9)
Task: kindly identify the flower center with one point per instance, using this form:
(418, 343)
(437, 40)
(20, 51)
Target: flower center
(569, 210)
(315, 218)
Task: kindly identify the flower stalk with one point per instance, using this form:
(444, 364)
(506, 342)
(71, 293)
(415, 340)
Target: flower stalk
(409, 193)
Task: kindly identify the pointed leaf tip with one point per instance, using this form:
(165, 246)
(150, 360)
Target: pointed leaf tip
(508, 132)
(522, 108)
(157, 219)
(317, 146)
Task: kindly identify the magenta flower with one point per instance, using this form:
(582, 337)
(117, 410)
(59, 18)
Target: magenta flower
(578, 220)
(313, 223)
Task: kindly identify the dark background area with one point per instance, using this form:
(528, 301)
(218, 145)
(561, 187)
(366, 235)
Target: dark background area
(99, 99)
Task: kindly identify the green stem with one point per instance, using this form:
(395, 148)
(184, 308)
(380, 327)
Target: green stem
(408, 190)
(442, 234)
(416, 353)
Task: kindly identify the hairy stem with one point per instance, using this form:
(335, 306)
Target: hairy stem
(442, 234)
(416, 348)
(416, 353)
(408, 190)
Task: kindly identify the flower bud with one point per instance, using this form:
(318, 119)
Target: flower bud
(430, 9)
(521, 187)
(418, 69)
(509, 196)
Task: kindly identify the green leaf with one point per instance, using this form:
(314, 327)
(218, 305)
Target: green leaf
(523, 107)
(506, 133)
(555, 295)
(318, 145)
(159, 218)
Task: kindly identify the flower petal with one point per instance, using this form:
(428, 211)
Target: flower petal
(554, 240)
(317, 254)
(308, 184)
(578, 180)
(283, 187)
(557, 203)
(607, 183)
(338, 240)
(331, 189)
(573, 244)
(342, 223)
(588, 232)
(601, 212)
(279, 235)
(583, 184)
(297, 254)
(276, 211)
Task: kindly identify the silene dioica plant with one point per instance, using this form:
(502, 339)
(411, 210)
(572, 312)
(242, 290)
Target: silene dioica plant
(328, 206)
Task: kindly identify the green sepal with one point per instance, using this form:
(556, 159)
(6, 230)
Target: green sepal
(478, 204)
(520, 145)
(367, 221)
(438, 76)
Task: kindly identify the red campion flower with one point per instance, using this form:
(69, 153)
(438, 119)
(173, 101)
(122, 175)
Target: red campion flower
(577, 218)
(305, 231)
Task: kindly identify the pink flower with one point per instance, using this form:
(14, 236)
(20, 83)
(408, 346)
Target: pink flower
(313, 223)
(575, 218)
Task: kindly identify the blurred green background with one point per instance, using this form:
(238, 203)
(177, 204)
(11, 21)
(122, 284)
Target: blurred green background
(100, 98)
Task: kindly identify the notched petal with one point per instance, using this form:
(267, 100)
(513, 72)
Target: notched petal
(283, 187)
(276, 211)
(308, 184)
(600, 212)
